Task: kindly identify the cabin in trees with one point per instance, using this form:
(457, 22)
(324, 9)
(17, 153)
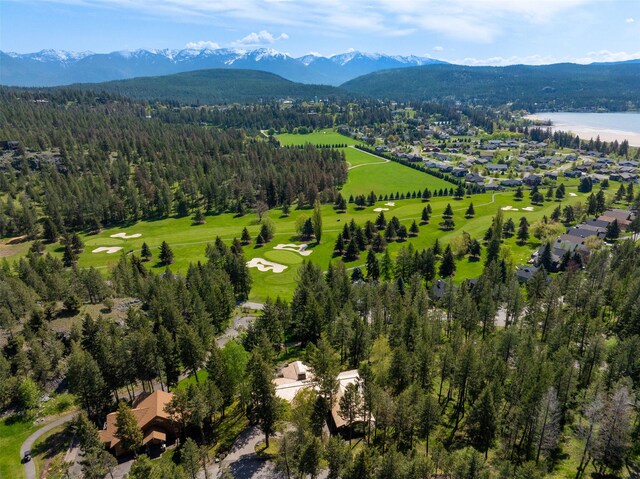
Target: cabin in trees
(338, 422)
(291, 379)
(155, 423)
(296, 376)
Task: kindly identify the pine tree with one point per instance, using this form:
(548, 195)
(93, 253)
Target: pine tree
(448, 264)
(471, 212)
(373, 267)
(317, 221)
(381, 222)
(339, 247)
(483, 421)
(307, 229)
(613, 230)
(475, 250)
(425, 216)
(519, 194)
(448, 211)
(190, 458)
(50, 230)
(509, 228)
(166, 255)
(198, 217)
(127, 429)
(69, 257)
(350, 406)
(413, 229)
(265, 409)
(430, 417)
(352, 251)
(246, 237)
(402, 233)
(523, 231)
(259, 240)
(437, 250)
(390, 233)
(386, 266)
(546, 259)
(145, 252)
(76, 243)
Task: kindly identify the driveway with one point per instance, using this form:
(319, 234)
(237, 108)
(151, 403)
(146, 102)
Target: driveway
(30, 467)
(242, 460)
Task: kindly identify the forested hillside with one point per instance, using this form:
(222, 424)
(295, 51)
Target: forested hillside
(214, 86)
(614, 87)
(86, 163)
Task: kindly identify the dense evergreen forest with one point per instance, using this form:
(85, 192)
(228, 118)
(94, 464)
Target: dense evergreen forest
(215, 86)
(444, 390)
(90, 161)
(550, 87)
(491, 379)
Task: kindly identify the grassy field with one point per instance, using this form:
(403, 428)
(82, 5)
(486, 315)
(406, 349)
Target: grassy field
(188, 241)
(321, 137)
(15, 430)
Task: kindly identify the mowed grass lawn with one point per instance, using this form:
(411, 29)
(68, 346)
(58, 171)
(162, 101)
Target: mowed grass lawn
(367, 173)
(15, 430)
(386, 178)
(320, 137)
(188, 241)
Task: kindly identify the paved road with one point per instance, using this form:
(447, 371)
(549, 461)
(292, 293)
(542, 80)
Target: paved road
(242, 460)
(29, 467)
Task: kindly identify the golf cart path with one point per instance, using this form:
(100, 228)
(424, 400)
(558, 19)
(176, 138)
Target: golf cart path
(381, 161)
(27, 445)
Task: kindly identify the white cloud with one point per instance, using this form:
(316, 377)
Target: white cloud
(263, 37)
(591, 57)
(479, 21)
(607, 56)
(202, 45)
(630, 20)
(438, 48)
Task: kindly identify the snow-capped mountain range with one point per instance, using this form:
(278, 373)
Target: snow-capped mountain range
(57, 67)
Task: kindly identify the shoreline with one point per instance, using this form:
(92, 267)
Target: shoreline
(586, 132)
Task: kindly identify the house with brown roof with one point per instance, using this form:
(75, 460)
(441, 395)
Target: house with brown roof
(337, 423)
(155, 423)
(624, 217)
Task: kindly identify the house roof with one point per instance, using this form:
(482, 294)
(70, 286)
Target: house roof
(150, 408)
(344, 379)
(620, 215)
(293, 377)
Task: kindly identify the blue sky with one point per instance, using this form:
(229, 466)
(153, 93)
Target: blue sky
(462, 31)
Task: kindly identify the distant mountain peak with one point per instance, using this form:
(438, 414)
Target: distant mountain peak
(59, 67)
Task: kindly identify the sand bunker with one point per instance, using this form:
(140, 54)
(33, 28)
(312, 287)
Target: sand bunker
(126, 236)
(509, 208)
(390, 204)
(527, 208)
(264, 265)
(572, 194)
(296, 248)
(107, 249)
(378, 210)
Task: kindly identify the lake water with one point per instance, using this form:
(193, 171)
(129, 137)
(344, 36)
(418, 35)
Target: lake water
(609, 126)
